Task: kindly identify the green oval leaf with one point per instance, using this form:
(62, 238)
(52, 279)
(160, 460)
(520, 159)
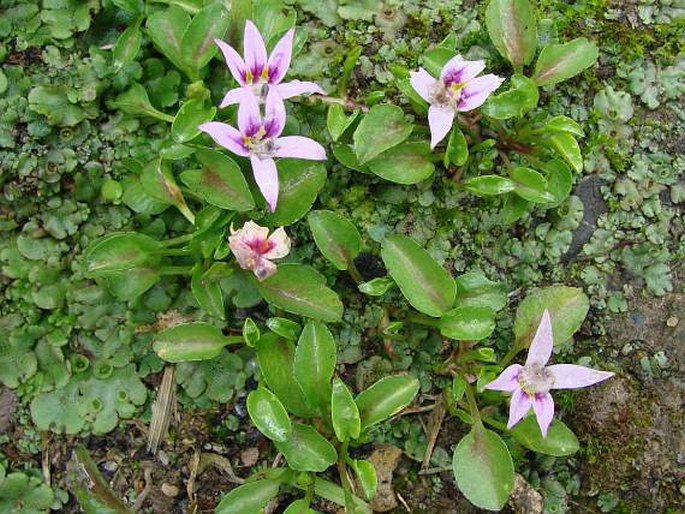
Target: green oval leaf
(197, 44)
(483, 468)
(301, 290)
(513, 30)
(427, 286)
(558, 62)
(344, 412)
(468, 323)
(166, 28)
(284, 327)
(564, 124)
(337, 122)
(248, 498)
(560, 440)
(314, 364)
(268, 414)
(158, 181)
(379, 130)
(196, 341)
(530, 185)
(220, 182)
(385, 398)
(134, 101)
(406, 163)
(335, 237)
(130, 284)
(127, 46)
(567, 147)
(489, 185)
(457, 151)
(299, 183)
(475, 290)
(377, 286)
(191, 114)
(559, 181)
(567, 306)
(207, 292)
(307, 450)
(366, 474)
(522, 97)
(119, 251)
(276, 356)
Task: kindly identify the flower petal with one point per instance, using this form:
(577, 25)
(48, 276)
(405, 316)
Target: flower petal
(279, 60)
(440, 122)
(458, 71)
(541, 348)
(234, 96)
(299, 147)
(266, 176)
(423, 83)
(226, 136)
(543, 406)
(507, 380)
(249, 117)
(572, 376)
(264, 268)
(254, 51)
(281, 244)
(297, 88)
(274, 114)
(252, 232)
(476, 91)
(520, 405)
(235, 63)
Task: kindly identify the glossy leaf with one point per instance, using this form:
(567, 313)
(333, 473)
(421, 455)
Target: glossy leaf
(158, 181)
(269, 415)
(345, 155)
(207, 292)
(468, 323)
(344, 412)
(558, 62)
(251, 332)
(284, 327)
(427, 286)
(559, 181)
(300, 506)
(299, 184)
(513, 30)
(483, 468)
(560, 440)
(307, 450)
(567, 147)
(196, 341)
(457, 152)
(191, 114)
(314, 364)
(513, 209)
(489, 185)
(385, 398)
(166, 28)
(530, 185)
(248, 498)
(127, 46)
(130, 284)
(302, 290)
(521, 97)
(338, 122)
(119, 251)
(220, 182)
(366, 474)
(567, 306)
(134, 101)
(382, 128)
(406, 163)
(197, 46)
(377, 286)
(475, 290)
(564, 124)
(335, 237)
(436, 58)
(276, 356)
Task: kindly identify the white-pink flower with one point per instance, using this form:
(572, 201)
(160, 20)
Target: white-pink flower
(531, 383)
(258, 138)
(257, 69)
(457, 90)
(254, 251)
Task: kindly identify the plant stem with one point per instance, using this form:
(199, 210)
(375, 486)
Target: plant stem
(176, 270)
(473, 406)
(342, 471)
(494, 423)
(177, 240)
(170, 252)
(415, 317)
(354, 272)
(510, 354)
